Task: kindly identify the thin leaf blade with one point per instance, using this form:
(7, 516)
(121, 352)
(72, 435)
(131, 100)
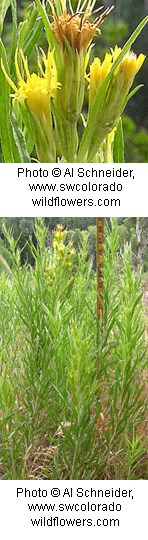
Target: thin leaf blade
(118, 151)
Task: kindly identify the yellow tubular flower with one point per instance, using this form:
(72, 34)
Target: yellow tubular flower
(63, 253)
(98, 72)
(124, 74)
(36, 90)
(115, 96)
(130, 65)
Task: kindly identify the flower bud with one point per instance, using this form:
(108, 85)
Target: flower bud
(115, 92)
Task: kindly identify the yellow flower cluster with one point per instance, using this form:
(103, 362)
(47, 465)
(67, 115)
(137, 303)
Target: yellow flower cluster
(126, 70)
(64, 253)
(50, 274)
(59, 235)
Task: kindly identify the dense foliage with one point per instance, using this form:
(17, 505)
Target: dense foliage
(72, 391)
(23, 228)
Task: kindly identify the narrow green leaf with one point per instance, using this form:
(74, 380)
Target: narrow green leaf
(93, 122)
(33, 37)
(29, 140)
(134, 91)
(24, 116)
(118, 151)
(9, 148)
(58, 7)
(4, 5)
(30, 30)
(49, 34)
(14, 34)
(43, 14)
(20, 141)
(22, 32)
(137, 301)
(42, 146)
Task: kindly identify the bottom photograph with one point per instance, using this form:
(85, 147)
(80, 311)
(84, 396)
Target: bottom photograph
(73, 348)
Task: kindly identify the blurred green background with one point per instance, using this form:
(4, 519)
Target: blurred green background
(115, 30)
(132, 230)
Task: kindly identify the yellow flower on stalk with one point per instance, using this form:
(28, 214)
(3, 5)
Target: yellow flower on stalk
(130, 65)
(34, 93)
(60, 234)
(35, 89)
(124, 74)
(98, 72)
(73, 32)
(49, 272)
(109, 92)
(71, 252)
(63, 253)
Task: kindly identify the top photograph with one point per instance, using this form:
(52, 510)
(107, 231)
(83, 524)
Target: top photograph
(73, 81)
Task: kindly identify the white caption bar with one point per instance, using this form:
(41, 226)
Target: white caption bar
(28, 190)
(73, 509)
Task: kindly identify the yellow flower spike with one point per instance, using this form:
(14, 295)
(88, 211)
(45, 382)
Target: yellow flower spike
(59, 233)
